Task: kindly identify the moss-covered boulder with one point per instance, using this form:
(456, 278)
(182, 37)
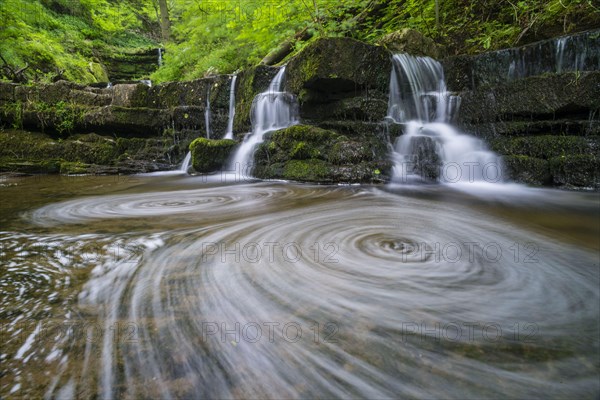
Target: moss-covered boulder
(312, 154)
(340, 77)
(210, 155)
(412, 42)
(339, 65)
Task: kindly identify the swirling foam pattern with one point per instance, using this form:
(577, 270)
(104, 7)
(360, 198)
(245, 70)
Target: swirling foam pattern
(289, 291)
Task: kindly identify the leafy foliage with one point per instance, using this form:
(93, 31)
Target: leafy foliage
(225, 35)
(59, 38)
(222, 36)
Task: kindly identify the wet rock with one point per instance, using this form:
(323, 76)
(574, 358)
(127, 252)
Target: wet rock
(210, 155)
(578, 52)
(340, 78)
(411, 42)
(336, 65)
(311, 154)
(528, 170)
(130, 95)
(250, 82)
(578, 171)
(551, 96)
(122, 121)
(545, 146)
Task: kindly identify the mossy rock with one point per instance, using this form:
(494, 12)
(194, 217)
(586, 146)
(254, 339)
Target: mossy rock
(249, 83)
(210, 155)
(578, 171)
(546, 146)
(91, 148)
(311, 154)
(339, 65)
(98, 71)
(411, 42)
(74, 168)
(130, 95)
(311, 170)
(29, 166)
(548, 96)
(529, 170)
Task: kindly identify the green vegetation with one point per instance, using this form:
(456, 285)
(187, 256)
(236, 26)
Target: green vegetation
(223, 36)
(45, 40)
(63, 39)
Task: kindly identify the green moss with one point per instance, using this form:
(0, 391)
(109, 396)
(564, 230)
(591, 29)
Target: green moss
(29, 166)
(312, 170)
(544, 147)
(12, 112)
(73, 168)
(311, 154)
(209, 155)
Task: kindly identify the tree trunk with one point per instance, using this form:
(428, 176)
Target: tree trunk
(285, 48)
(165, 23)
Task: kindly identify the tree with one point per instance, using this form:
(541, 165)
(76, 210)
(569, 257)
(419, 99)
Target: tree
(165, 23)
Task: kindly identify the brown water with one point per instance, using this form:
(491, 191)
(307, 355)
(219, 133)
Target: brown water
(171, 286)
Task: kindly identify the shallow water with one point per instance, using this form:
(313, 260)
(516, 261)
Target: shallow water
(175, 286)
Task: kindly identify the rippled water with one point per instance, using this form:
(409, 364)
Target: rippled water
(171, 286)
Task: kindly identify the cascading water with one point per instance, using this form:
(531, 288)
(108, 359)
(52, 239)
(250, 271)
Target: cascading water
(207, 113)
(430, 147)
(185, 165)
(159, 57)
(271, 110)
(229, 133)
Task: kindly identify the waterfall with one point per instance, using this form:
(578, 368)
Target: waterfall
(185, 165)
(159, 57)
(271, 110)
(207, 113)
(229, 133)
(430, 147)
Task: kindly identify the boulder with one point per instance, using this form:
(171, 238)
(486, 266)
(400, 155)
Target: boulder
(340, 78)
(311, 154)
(411, 42)
(210, 155)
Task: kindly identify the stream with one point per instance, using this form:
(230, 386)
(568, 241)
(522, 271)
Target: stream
(186, 287)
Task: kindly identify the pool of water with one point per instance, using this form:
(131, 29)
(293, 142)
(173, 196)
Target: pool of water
(174, 286)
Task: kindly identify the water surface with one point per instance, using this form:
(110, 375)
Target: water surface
(174, 286)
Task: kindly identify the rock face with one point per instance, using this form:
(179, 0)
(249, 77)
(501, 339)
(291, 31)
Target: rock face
(154, 125)
(412, 42)
(132, 66)
(312, 154)
(340, 78)
(84, 153)
(210, 155)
